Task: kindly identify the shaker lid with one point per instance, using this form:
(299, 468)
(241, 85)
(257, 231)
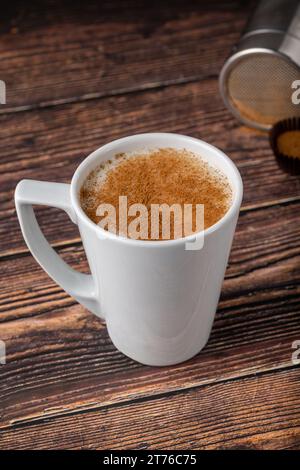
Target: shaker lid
(257, 86)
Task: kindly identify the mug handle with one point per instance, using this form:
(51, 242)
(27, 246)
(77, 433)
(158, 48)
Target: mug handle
(78, 285)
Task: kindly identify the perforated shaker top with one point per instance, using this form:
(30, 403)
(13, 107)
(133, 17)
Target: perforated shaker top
(259, 89)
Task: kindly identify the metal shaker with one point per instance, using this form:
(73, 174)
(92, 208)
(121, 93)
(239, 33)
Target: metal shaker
(257, 80)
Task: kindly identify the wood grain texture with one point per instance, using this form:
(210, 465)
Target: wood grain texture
(60, 358)
(106, 48)
(262, 254)
(254, 413)
(77, 77)
(49, 144)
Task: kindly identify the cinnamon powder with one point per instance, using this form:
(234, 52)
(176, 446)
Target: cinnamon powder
(165, 175)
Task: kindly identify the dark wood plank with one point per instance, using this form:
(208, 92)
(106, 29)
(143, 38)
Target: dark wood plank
(253, 413)
(60, 51)
(63, 375)
(49, 144)
(262, 254)
(60, 358)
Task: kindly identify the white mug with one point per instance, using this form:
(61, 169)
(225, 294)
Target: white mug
(157, 298)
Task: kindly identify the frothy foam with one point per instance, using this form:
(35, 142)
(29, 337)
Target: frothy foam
(159, 176)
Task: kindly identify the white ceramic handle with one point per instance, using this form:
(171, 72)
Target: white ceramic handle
(78, 285)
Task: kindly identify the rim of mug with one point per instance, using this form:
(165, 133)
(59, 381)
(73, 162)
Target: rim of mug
(234, 207)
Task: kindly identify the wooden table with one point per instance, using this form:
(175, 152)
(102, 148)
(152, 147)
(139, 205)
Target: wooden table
(78, 77)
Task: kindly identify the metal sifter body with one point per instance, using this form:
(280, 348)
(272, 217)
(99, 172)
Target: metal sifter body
(256, 81)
